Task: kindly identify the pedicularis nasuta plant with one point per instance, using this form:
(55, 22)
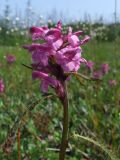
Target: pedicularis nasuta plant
(53, 61)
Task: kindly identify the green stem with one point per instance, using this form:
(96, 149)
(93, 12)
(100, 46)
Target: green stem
(64, 141)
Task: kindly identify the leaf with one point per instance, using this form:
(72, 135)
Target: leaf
(103, 147)
(82, 76)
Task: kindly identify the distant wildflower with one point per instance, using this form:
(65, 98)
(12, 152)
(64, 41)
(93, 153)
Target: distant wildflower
(7, 18)
(17, 18)
(10, 58)
(97, 75)
(22, 33)
(105, 68)
(7, 32)
(90, 65)
(12, 30)
(112, 82)
(2, 87)
(55, 57)
(16, 29)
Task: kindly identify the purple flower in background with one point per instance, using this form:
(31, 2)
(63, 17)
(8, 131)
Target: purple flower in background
(57, 55)
(97, 75)
(90, 65)
(112, 82)
(2, 87)
(105, 68)
(10, 58)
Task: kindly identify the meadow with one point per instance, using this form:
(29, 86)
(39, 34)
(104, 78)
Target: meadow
(94, 108)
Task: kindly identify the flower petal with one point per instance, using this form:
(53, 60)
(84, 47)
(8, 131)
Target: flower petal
(85, 40)
(73, 40)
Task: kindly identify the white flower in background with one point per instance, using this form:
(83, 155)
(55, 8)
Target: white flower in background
(93, 33)
(19, 49)
(22, 33)
(106, 38)
(17, 18)
(41, 21)
(7, 18)
(12, 30)
(7, 32)
(13, 22)
(26, 32)
(0, 28)
(41, 17)
(77, 27)
(16, 29)
(24, 26)
(84, 25)
(50, 21)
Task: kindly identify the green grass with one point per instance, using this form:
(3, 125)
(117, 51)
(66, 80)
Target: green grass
(94, 107)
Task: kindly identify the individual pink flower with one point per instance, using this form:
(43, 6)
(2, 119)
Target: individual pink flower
(47, 81)
(105, 68)
(90, 65)
(10, 58)
(57, 55)
(112, 82)
(2, 86)
(73, 38)
(52, 36)
(38, 32)
(40, 53)
(69, 58)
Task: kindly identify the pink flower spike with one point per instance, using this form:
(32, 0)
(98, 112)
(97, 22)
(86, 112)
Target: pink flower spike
(58, 54)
